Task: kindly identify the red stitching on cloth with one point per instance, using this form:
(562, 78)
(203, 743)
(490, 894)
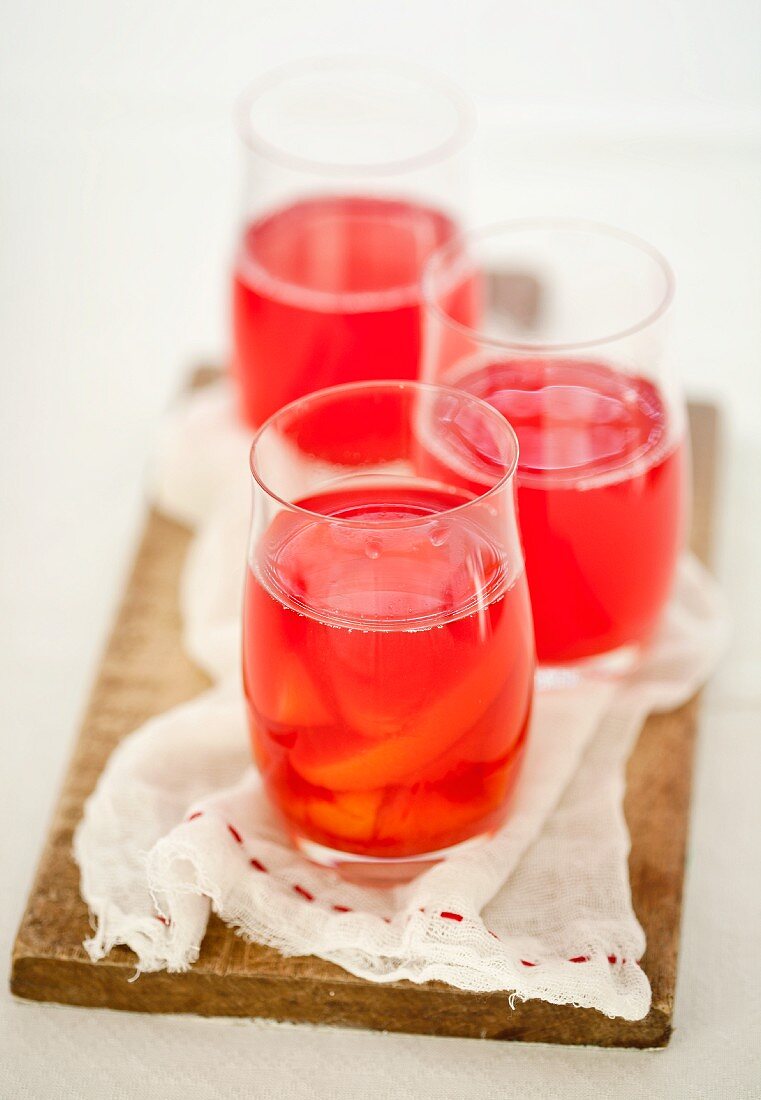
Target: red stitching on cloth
(612, 959)
(198, 813)
(577, 959)
(445, 915)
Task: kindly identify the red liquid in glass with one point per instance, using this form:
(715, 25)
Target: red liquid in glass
(601, 503)
(326, 291)
(388, 673)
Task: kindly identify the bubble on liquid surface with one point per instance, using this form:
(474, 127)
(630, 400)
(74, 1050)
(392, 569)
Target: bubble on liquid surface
(447, 407)
(372, 548)
(439, 534)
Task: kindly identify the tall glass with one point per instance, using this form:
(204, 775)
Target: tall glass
(387, 643)
(576, 363)
(353, 175)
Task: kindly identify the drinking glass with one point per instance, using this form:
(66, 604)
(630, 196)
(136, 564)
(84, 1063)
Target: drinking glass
(353, 174)
(387, 642)
(569, 346)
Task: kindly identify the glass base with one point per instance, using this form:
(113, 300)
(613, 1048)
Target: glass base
(380, 871)
(606, 666)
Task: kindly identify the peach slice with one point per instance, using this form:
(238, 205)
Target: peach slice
(425, 819)
(292, 698)
(382, 681)
(417, 817)
(390, 760)
(347, 816)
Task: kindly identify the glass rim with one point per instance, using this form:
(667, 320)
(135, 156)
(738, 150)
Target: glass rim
(398, 386)
(462, 130)
(602, 229)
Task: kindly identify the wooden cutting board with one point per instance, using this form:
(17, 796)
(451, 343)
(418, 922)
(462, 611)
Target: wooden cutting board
(144, 671)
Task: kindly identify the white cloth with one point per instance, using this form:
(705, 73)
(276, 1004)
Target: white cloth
(178, 824)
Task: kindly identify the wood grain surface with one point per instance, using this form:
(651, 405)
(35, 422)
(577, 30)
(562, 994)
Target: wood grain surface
(144, 671)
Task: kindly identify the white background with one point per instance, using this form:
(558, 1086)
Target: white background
(119, 179)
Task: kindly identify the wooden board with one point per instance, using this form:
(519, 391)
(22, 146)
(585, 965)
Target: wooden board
(144, 671)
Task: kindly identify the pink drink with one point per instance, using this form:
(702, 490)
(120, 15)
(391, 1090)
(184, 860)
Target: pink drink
(326, 291)
(388, 670)
(601, 498)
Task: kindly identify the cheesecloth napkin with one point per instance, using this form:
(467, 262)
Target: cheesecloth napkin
(178, 825)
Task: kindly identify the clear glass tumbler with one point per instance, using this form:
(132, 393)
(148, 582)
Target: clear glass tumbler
(354, 173)
(569, 345)
(388, 651)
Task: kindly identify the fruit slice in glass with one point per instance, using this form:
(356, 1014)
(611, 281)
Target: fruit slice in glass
(388, 650)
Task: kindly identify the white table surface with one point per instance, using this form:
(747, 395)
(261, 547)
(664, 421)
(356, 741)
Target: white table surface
(116, 223)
